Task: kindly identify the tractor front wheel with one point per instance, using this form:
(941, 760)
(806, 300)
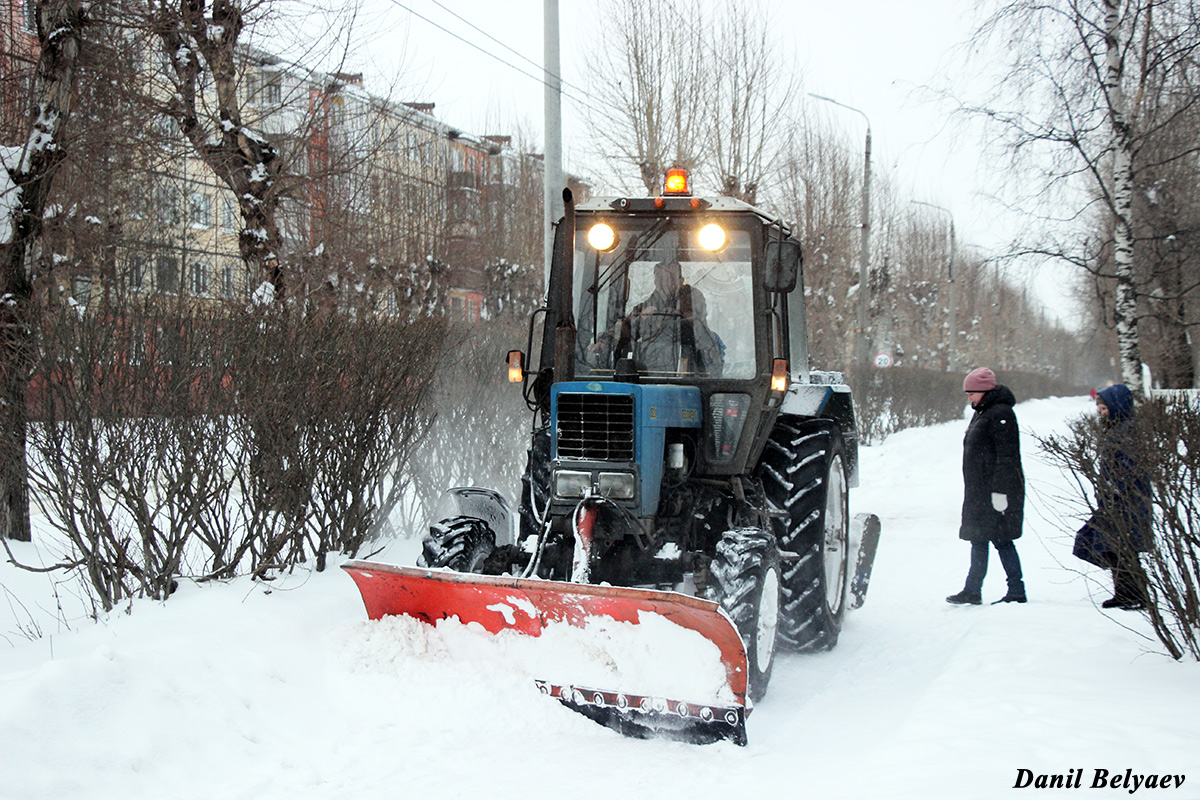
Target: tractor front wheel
(803, 474)
(745, 580)
(461, 543)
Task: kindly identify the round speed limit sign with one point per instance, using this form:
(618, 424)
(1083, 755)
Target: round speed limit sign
(883, 361)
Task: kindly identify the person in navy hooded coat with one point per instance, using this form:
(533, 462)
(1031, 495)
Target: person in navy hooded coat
(993, 487)
(1119, 528)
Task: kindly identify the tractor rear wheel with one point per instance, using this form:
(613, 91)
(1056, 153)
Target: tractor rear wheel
(461, 543)
(803, 474)
(745, 580)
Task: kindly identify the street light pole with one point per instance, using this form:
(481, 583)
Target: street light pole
(952, 356)
(864, 255)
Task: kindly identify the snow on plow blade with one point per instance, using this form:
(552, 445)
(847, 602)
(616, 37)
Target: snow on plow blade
(499, 603)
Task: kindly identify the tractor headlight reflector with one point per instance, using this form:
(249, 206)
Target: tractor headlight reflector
(570, 483)
(712, 237)
(617, 485)
(602, 237)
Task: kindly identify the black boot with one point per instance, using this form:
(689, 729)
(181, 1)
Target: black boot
(965, 598)
(1124, 602)
(1012, 597)
(1128, 593)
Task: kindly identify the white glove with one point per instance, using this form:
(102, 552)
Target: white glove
(999, 501)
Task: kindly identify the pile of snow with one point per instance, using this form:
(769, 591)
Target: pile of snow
(285, 690)
(646, 659)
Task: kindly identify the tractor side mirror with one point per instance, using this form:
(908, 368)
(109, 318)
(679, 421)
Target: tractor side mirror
(783, 265)
(516, 366)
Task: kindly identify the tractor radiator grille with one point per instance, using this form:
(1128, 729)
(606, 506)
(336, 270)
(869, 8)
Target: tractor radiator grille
(598, 427)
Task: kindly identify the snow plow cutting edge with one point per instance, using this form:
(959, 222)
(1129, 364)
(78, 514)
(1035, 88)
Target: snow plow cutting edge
(529, 605)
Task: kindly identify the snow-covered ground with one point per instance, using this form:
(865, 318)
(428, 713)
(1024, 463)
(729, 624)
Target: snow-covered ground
(285, 690)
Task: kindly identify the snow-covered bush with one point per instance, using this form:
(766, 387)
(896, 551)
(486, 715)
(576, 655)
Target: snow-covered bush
(891, 400)
(170, 442)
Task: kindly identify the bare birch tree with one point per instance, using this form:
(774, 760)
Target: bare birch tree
(31, 170)
(204, 56)
(1073, 106)
(1119, 190)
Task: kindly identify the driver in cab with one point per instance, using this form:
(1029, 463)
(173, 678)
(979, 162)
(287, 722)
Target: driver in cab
(665, 333)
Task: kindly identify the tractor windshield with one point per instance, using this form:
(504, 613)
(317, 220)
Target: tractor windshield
(656, 295)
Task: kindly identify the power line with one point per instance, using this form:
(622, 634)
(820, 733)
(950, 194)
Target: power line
(519, 55)
(492, 55)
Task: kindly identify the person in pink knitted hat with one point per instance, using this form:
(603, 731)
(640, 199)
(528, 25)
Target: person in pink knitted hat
(993, 487)
(979, 380)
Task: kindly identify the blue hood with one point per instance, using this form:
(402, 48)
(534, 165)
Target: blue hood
(1119, 400)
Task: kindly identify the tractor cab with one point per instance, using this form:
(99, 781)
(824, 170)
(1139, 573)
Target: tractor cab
(664, 300)
(666, 289)
(675, 291)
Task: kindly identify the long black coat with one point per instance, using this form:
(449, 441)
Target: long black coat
(992, 463)
(1121, 524)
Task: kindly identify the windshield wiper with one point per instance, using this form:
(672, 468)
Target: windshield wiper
(636, 248)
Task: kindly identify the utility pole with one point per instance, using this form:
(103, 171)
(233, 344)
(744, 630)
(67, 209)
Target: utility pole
(552, 178)
(952, 355)
(862, 356)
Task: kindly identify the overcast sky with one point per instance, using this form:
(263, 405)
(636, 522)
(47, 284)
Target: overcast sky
(875, 55)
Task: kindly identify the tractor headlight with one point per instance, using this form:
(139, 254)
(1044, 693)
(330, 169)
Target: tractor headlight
(712, 237)
(617, 485)
(602, 237)
(570, 483)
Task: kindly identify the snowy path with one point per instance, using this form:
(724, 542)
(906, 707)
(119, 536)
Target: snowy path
(228, 692)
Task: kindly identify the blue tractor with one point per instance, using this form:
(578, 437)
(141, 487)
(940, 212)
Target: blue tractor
(682, 447)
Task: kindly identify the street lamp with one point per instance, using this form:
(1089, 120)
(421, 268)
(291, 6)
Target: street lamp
(864, 256)
(952, 355)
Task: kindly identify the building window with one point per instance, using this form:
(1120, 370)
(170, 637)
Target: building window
(29, 15)
(199, 210)
(272, 88)
(227, 285)
(167, 275)
(81, 288)
(229, 215)
(199, 278)
(137, 272)
(167, 205)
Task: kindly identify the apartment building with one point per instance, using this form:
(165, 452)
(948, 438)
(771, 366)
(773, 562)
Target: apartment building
(18, 51)
(383, 202)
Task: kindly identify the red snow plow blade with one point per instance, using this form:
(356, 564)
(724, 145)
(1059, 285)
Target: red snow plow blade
(529, 605)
